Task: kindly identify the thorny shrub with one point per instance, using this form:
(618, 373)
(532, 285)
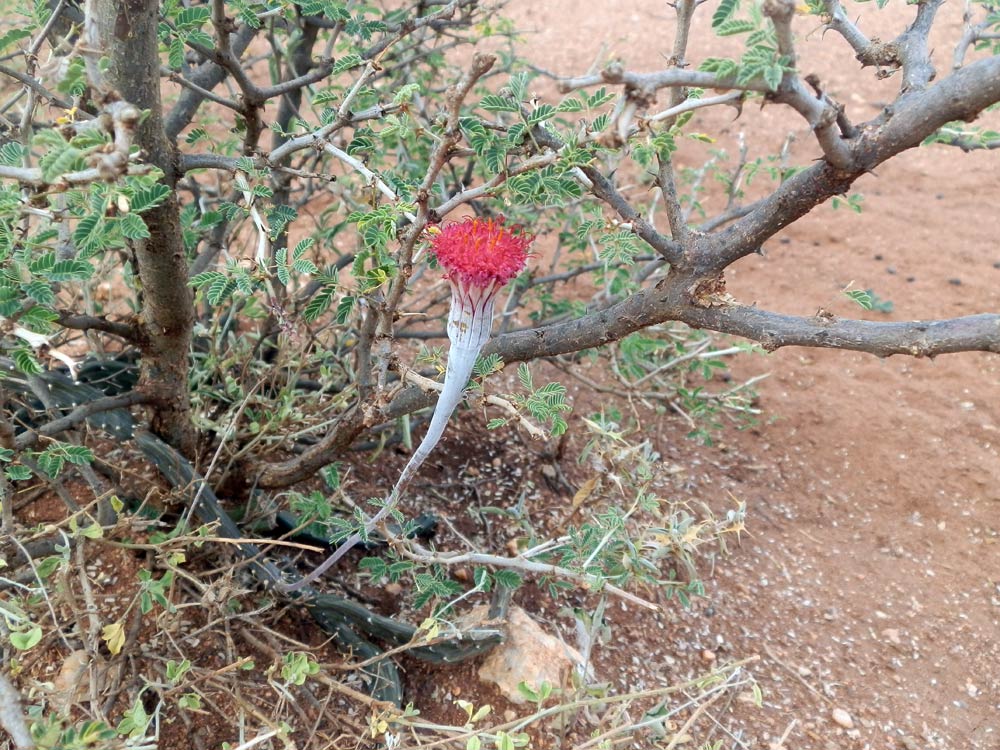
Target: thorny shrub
(221, 214)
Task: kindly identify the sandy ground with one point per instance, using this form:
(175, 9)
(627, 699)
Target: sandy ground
(871, 580)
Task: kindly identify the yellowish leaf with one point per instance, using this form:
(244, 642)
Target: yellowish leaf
(584, 492)
(114, 636)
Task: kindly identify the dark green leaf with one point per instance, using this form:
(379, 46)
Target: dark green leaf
(175, 54)
(517, 133)
(89, 236)
(301, 247)
(12, 154)
(43, 264)
(863, 298)
(71, 270)
(220, 290)
(495, 103)
(495, 160)
(344, 308)
(571, 104)
(724, 12)
(133, 227)
(206, 278)
(347, 62)
(148, 197)
(599, 97)
(773, 75)
(734, 26)
(524, 375)
(305, 266)
(600, 123)
(319, 303)
(13, 36)
(24, 360)
(192, 17)
(77, 455)
(280, 217)
(541, 113)
(281, 259)
(41, 292)
(60, 160)
(507, 578)
(18, 473)
(721, 66)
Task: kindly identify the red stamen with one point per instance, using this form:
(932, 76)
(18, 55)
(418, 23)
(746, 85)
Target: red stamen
(478, 252)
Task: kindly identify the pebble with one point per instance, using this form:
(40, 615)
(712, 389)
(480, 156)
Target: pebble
(893, 635)
(393, 589)
(842, 718)
(955, 282)
(708, 655)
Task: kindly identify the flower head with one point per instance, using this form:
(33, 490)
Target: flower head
(481, 252)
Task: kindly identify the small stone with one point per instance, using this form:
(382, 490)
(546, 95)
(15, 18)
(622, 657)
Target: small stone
(892, 634)
(842, 718)
(393, 589)
(509, 715)
(708, 655)
(955, 282)
(997, 264)
(528, 655)
(891, 270)
(462, 574)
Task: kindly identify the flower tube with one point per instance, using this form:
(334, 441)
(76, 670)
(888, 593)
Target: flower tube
(479, 257)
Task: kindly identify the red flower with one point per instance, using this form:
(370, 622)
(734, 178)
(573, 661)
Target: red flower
(481, 252)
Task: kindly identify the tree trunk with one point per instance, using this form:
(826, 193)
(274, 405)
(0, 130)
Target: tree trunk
(128, 35)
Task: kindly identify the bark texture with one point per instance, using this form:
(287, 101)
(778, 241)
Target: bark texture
(128, 35)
